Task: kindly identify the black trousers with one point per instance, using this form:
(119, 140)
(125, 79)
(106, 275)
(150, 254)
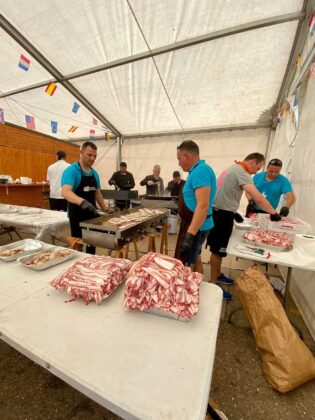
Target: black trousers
(76, 232)
(58, 204)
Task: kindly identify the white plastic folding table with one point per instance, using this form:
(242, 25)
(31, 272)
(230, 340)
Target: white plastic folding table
(138, 365)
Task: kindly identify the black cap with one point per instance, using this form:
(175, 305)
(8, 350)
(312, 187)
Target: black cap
(176, 173)
(123, 164)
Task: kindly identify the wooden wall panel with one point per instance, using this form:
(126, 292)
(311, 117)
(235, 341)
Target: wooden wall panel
(27, 153)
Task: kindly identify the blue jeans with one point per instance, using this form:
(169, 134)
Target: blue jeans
(200, 238)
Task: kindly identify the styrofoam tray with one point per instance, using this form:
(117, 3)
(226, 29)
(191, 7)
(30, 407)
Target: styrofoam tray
(167, 315)
(47, 264)
(29, 245)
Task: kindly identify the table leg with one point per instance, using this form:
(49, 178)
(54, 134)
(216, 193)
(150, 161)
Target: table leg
(287, 289)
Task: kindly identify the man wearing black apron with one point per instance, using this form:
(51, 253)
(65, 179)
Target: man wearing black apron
(81, 188)
(195, 205)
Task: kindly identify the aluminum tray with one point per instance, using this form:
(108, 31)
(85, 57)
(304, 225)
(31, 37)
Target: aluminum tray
(30, 246)
(47, 264)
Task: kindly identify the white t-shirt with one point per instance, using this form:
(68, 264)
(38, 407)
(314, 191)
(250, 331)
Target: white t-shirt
(54, 174)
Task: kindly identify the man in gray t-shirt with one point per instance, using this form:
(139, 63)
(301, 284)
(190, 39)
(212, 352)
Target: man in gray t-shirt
(230, 186)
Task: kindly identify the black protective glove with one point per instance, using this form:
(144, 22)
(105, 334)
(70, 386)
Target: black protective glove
(87, 206)
(275, 217)
(187, 243)
(238, 218)
(112, 182)
(251, 208)
(284, 211)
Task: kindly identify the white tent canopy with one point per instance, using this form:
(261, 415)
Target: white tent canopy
(145, 66)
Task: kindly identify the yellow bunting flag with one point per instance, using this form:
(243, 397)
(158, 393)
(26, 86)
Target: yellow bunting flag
(107, 136)
(298, 63)
(51, 88)
(72, 129)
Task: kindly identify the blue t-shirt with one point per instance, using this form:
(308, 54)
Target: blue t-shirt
(272, 190)
(72, 176)
(200, 175)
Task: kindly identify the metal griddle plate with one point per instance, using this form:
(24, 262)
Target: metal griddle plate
(101, 224)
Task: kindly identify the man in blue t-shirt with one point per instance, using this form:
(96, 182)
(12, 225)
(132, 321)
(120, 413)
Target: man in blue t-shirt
(81, 188)
(195, 205)
(272, 185)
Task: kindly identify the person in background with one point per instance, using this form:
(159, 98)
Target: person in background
(154, 182)
(81, 188)
(272, 185)
(194, 206)
(175, 186)
(230, 187)
(54, 173)
(122, 180)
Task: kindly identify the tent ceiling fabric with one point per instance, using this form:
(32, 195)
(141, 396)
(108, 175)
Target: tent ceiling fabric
(232, 80)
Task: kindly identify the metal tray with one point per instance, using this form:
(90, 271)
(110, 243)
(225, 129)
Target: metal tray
(47, 264)
(30, 246)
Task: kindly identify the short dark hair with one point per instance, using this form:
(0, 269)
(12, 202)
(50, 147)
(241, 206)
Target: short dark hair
(60, 155)
(124, 164)
(255, 156)
(189, 146)
(176, 173)
(275, 162)
(88, 144)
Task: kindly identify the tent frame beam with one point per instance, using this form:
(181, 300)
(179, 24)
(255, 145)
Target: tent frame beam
(258, 24)
(60, 78)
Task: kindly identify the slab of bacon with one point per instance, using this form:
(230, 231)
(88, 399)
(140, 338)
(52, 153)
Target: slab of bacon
(268, 237)
(11, 252)
(44, 257)
(93, 278)
(159, 282)
(130, 219)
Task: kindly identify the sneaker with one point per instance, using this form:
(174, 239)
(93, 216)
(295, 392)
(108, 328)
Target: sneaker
(226, 294)
(222, 279)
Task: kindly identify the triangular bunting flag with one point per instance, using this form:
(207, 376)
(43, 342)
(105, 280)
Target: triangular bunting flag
(72, 129)
(51, 88)
(94, 120)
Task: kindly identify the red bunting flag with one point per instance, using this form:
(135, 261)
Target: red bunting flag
(94, 120)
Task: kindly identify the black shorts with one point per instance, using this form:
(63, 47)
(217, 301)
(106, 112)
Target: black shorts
(221, 232)
(58, 204)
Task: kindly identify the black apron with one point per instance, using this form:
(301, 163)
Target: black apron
(86, 190)
(186, 217)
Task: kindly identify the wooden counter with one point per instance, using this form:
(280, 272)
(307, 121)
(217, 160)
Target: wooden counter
(31, 195)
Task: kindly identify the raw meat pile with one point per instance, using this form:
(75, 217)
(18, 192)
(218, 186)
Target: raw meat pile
(268, 237)
(11, 252)
(130, 219)
(44, 257)
(162, 283)
(93, 278)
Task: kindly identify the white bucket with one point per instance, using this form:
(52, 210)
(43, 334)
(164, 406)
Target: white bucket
(172, 220)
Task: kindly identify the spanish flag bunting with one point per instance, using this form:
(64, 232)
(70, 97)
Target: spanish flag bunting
(51, 88)
(107, 136)
(72, 129)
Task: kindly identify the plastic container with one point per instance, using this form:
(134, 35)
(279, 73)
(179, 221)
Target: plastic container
(25, 180)
(29, 246)
(172, 220)
(46, 264)
(290, 225)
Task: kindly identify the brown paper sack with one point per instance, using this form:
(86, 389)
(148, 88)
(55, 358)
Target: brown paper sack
(287, 362)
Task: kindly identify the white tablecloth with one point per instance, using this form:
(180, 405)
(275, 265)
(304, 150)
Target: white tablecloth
(138, 365)
(46, 223)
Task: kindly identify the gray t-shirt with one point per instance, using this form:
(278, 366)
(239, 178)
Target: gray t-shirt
(229, 188)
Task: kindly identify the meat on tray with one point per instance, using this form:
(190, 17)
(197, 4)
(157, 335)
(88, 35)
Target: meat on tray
(159, 282)
(44, 257)
(127, 220)
(268, 237)
(93, 278)
(11, 252)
